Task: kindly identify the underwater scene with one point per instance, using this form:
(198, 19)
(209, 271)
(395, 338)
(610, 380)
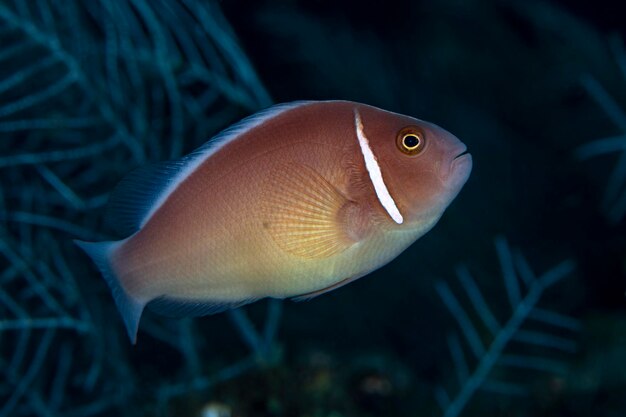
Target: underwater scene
(158, 257)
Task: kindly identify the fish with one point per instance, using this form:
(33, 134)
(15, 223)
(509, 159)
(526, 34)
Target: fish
(292, 202)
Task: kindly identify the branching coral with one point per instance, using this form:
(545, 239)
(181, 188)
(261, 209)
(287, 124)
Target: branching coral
(488, 339)
(88, 91)
(614, 200)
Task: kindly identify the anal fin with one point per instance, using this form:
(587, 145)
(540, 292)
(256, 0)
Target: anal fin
(174, 307)
(313, 294)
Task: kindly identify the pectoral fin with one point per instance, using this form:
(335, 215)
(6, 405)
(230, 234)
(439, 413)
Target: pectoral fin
(305, 214)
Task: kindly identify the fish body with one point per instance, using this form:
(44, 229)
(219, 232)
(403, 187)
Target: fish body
(292, 202)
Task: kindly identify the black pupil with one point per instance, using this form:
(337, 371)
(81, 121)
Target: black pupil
(411, 141)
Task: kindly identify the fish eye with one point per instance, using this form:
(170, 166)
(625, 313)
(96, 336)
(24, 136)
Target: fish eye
(410, 140)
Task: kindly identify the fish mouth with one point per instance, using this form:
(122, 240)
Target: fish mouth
(462, 154)
(462, 158)
(458, 170)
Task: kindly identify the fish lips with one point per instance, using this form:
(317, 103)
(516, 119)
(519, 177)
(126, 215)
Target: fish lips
(458, 170)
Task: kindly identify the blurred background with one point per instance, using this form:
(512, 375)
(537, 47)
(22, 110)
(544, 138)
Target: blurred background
(513, 305)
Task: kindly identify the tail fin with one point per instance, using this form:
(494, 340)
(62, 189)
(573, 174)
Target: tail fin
(130, 308)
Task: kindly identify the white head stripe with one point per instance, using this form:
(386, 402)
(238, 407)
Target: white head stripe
(371, 164)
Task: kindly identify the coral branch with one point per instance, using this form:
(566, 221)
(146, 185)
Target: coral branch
(524, 308)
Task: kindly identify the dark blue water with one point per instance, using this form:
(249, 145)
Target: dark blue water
(513, 305)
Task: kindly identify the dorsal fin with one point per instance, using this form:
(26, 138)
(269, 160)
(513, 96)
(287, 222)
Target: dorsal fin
(140, 194)
(136, 193)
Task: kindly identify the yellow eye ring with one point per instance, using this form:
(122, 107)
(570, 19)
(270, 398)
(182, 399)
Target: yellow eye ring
(411, 140)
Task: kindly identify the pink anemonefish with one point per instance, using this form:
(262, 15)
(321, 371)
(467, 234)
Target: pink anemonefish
(294, 201)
